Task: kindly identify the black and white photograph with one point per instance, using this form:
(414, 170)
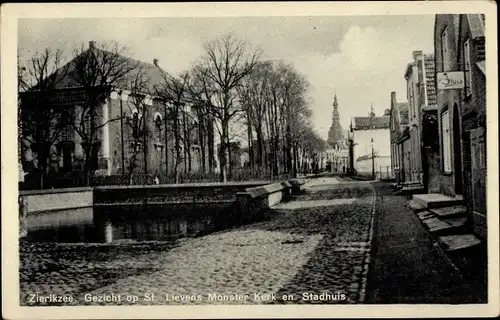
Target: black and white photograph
(263, 157)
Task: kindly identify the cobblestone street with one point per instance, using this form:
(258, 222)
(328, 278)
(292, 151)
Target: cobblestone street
(314, 249)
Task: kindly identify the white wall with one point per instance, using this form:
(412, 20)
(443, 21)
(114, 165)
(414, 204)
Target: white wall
(382, 148)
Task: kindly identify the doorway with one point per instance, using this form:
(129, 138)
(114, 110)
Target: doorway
(457, 152)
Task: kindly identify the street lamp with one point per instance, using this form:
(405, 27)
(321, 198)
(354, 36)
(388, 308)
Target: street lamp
(373, 159)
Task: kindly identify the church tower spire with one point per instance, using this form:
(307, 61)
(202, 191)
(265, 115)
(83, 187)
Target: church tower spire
(335, 134)
(335, 113)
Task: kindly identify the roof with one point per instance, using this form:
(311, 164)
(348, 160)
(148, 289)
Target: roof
(476, 25)
(366, 123)
(151, 72)
(402, 108)
(482, 66)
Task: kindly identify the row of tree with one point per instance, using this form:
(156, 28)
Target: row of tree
(230, 89)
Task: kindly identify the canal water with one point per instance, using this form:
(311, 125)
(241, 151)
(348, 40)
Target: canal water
(134, 222)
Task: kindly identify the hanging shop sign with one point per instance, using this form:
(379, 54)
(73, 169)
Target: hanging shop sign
(450, 80)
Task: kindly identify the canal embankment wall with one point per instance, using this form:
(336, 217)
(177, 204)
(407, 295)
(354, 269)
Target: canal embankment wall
(221, 205)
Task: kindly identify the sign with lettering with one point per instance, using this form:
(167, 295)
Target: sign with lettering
(450, 80)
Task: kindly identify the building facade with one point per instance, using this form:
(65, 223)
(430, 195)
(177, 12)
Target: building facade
(421, 97)
(400, 139)
(135, 132)
(371, 138)
(461, 83)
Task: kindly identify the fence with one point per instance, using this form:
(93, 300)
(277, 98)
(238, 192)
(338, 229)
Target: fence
(385, 173)
(76, 178)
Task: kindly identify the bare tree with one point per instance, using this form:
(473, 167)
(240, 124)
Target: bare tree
(253, 94)
(225, 62)
(274, 97)
(138, 119)
(97, 70)
(41, 116)
(173, 91)
(201, 93)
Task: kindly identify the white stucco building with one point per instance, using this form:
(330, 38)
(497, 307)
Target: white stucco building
(367, 132)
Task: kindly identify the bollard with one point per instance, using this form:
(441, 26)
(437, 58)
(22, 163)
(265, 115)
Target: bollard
(108, 232)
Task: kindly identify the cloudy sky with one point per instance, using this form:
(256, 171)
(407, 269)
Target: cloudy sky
(360, 58)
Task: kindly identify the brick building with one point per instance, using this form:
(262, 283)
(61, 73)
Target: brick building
(118, 149)
(421, 96)
(461, 82)
(399, 139)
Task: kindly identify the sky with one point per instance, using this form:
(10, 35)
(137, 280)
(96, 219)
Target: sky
(362, 59)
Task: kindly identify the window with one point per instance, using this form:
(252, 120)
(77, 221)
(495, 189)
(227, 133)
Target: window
(67, 160)
(88, 128)
(445, 129)
(414, 102)
(467, 69)
(445, 52)
(67, 133)
(478, 156)
(158, 126)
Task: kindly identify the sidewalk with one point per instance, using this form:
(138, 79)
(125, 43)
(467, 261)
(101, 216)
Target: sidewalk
(407, 268)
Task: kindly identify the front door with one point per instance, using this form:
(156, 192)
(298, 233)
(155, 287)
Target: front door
(478, 153)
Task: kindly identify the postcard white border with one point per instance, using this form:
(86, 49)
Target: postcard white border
(10, 248)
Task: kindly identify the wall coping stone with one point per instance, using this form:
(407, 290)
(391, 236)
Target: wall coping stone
(52, 191)
(184, 185)
(266, 189)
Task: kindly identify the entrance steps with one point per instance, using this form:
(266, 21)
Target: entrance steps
(437, 200)
(408, 188)
(447, 220)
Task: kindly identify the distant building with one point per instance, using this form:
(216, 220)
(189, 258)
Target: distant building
(372, 139)
(337, 153)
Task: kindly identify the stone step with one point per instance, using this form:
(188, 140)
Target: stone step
(417, 207)
(452, 211)
(436, 200)
(453, 243)
(434, 225)
(457, 222)
(424, 215)
(409, 190)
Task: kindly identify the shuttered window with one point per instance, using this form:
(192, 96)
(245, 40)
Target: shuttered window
(445, 134)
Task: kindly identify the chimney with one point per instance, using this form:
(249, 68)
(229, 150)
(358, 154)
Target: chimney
(417, 54)
(155, 61)
(91, 44)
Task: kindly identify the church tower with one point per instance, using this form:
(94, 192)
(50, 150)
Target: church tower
(335, 134)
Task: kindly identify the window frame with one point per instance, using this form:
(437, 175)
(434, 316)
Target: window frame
(445, 53)
(467, 68)
(446, 145)
(158, 121)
